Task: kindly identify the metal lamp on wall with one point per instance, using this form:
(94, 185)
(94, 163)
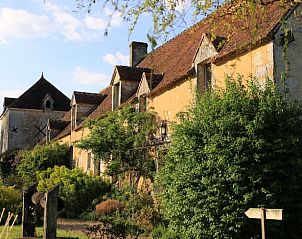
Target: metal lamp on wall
(163, 130)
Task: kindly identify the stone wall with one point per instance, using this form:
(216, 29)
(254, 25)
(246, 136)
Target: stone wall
(26, 128)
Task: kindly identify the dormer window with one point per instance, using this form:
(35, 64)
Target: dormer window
(204, 77)
(48, 102)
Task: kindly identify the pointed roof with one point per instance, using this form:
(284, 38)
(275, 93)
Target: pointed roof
(33, 97)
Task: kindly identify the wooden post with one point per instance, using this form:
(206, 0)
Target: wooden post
(28, 213)
(50, 213)
(263, 222)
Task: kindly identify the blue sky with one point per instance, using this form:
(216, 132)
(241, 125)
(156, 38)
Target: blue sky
(69, 47)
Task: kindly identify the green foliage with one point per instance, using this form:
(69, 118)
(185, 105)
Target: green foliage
(40, 158)
(11, 200)
(136, 213)
(7, 163)
(77, 189)
(236, 149)
(120, 139)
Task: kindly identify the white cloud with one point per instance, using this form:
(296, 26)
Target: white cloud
(66, 24)
(55, 21)
(116, 59)
(21, 24)
(95, 23)
(86, 77)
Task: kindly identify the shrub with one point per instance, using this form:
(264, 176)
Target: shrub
(8, 163)
(40, 158)
(108, 207)
(237, 149)
(77, 189)
(114, 228)
(11, 200)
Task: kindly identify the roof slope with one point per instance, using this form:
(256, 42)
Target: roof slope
(174, 59)
(88, 98)
(33, 97)
(131, 73)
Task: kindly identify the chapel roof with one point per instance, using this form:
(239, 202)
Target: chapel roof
(33, 97)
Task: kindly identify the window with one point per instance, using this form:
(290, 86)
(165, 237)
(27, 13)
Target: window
(47, 104)
(142, 103)
(204, 77)
(89, 161)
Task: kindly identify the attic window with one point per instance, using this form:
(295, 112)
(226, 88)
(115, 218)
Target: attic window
(48, 104)
(204, 76)
(142, 103)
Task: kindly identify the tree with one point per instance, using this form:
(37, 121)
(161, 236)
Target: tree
(237, 148)
(41, 157)
(168, 15)
(121, 139)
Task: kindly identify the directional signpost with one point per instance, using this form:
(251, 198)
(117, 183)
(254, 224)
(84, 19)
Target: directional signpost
(263, 214)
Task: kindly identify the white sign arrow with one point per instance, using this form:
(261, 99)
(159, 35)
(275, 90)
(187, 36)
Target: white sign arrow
(270, 214)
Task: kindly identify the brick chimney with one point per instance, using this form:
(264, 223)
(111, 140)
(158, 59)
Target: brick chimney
(138, 51)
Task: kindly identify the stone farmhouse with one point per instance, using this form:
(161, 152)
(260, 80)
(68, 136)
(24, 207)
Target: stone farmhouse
(24, 119)
(165, 80)
(264, 44)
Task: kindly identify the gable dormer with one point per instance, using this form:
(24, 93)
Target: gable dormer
(209, 47)
(148, 82)
(48, 102)
(124, 82)
(82, 103)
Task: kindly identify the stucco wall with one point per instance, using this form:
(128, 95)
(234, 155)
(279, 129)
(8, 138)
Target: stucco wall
(258, 62)
(173, 100)
(293, 53)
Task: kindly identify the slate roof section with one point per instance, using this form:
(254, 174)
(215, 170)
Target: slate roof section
(7, 101)
(102, 108)
(88, 98)
(131, 73)
(153, 79)
(58, 124)
(33, 97)
(175, 57)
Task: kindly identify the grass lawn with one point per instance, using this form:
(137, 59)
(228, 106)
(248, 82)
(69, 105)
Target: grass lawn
(16, 232)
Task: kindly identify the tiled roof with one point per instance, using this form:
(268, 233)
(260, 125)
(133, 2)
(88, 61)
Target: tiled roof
(131, 73)
(175, 57)
(33, 97)
(88, 98)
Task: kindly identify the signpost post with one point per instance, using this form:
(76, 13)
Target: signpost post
(263, 214)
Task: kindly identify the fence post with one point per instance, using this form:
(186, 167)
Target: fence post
(28, 213)
(50, 213)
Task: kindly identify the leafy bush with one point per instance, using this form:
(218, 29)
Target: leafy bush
(236, 149)
(108, 207)
(77, 189)
(8, 163)
(11, 200)
(114, 228)
(40, 158)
